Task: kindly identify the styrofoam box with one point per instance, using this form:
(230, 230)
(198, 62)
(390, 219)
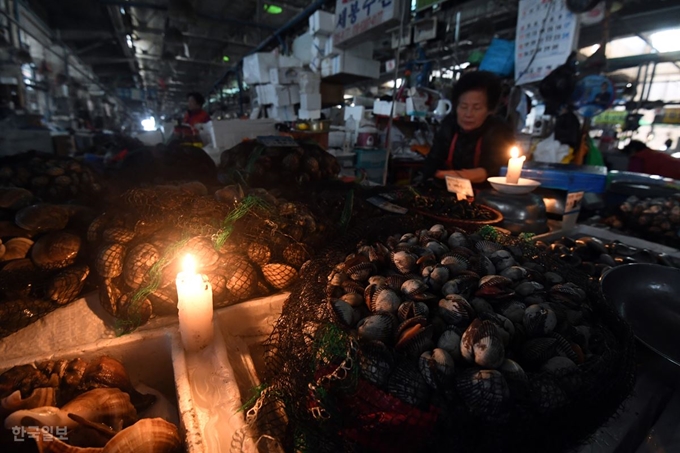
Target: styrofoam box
(284, 76)
(286, 113)
(309, 114)
(319, 46)
(349, 64)
(294, 93)
(256, 67)
(276, 95)
(289, 62)
(154, 358)
(322, 23)
(310, 101)
(385, 108)
(309, 82)
(302, 46)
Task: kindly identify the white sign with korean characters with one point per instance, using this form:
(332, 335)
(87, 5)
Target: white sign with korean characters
(354, 18)
(460, 186)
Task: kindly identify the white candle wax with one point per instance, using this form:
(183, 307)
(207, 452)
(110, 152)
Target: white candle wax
(514, 166)
(195, 306)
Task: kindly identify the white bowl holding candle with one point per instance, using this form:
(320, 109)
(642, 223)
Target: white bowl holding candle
(523, 185)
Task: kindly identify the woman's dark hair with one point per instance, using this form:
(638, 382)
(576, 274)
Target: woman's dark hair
(198, 97)
(479, 80)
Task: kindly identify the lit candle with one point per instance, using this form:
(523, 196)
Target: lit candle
(514, 166)
(195, 306)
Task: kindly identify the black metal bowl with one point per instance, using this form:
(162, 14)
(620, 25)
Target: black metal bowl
(648, 297)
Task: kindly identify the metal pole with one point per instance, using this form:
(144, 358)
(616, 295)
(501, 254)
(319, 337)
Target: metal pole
(651, 79)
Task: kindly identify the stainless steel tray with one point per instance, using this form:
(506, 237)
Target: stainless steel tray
(607, 236)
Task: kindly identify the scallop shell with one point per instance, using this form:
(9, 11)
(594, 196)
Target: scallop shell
(462, 284)
(67, 284)
(513, 371)
(109, 261)
(438, 232)
(436, 248)
(118, 234)
(361, 272)
(375, 362)
(481, 344)
(56, 250)
(259, 254)
(528, 288)
(457, 239)
(354, 299)
(403, 262)
(514, 273)
(242, 278)
(295, 255)
(416, 289)
(16, 248)
(42, 217)
(485, 394)
(14, 197)
(494, 286)
(203, 252)
(378, 327)
(539, 320)
(96, 227)
(455, 263)
(138, 262)
(538, 350)
(455, 310)
(278, 275)
(395, 281)
(513, 310)
(414, 337)
(488, 248)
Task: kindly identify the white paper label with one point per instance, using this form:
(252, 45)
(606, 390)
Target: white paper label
(390, 65)
(460, 186)
(573, 202)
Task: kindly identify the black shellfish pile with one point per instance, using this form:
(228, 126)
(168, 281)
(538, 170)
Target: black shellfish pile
(449, 333)
(594, 256)
(48, 177)
(41, 264)
(140, 246)
(654, 219)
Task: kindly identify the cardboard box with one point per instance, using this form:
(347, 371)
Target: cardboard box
(309, 114)
(256, 67)
(332, 94)
(284, 76)
(322, 23)
(310, 101)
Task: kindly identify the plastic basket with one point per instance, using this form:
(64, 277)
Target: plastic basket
(370, 158)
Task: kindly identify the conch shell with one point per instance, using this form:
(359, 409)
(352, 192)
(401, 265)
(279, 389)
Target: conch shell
(44, 396)
(111, 407)
(149, 435)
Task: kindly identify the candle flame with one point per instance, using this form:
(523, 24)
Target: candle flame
(514, 152)
(189, 264)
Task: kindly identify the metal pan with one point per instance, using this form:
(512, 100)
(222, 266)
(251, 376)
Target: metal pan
(648, 297)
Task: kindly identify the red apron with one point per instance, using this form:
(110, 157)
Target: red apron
(452, 150)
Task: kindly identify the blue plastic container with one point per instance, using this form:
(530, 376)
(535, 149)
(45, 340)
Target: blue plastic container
(569, 177)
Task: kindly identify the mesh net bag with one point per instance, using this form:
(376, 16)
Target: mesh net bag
(248, 244)
(379, 348)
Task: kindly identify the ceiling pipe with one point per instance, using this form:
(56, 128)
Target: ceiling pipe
(221, 20)
(297, 20)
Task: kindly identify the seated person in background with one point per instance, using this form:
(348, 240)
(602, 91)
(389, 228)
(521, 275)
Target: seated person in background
(646, 160)
(471, 143)
(195, 113)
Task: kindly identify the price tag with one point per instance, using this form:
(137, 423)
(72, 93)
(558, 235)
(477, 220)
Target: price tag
(573, 202)
(461, 187)
(391, 65)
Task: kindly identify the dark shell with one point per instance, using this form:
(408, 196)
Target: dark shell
(547, 395)
(481, 265)
(538, 350)
(344, 312)
(515, 273)
(134, 308)
(378, 327)
(164, 302)
(437, 367)
(404, 262)
(565, 348)
(296, 255)
(42, 217)
(14, 197)
(455, 263)
(494, 286)
(488, 248)
(449, 341)
(539, 320)
(242, 278)
(353, 287)
(138, 262)
(485, 394)
(410, 309)
(108, 296)
(384, 299)
(457, 239)
(462, 284)
(109, 261)
(67, 284)
(513, 310)
(482, 344)
(408, 384)
(96, 227)
(528, 288)
(414, 337)
(375, 362)
(416, 289)
(395, 281)
(456, 310)
(513, 371)
(259, 254)
(360, 272)
(118, 234)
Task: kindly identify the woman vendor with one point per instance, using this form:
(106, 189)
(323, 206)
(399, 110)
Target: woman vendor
(471, 143)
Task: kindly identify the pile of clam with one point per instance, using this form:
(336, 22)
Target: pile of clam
(594, 256)
(67, 404)
(656, 218)
(39, 256)
(52, 179)
(458, 317)
(137, 262)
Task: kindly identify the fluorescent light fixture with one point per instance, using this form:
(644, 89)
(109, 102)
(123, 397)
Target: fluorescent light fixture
(128, 39)
(149, 124)
(225, 58)
(666, 40)
(272, 9)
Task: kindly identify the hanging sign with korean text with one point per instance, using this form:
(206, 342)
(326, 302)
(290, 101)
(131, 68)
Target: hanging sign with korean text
(354, 18)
